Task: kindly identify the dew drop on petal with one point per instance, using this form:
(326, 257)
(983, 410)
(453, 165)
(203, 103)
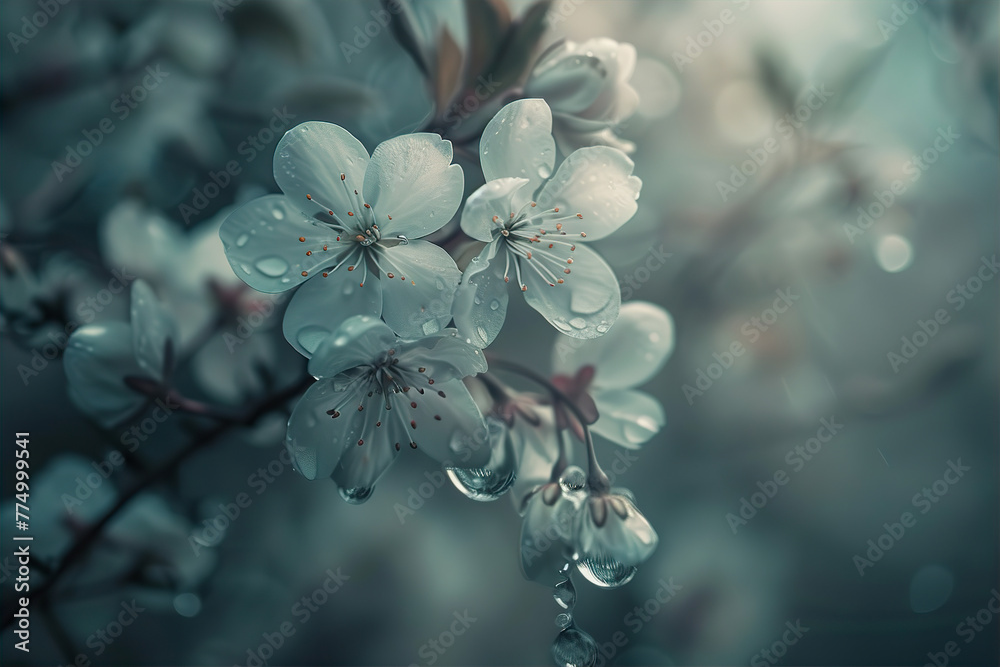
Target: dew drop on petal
(605, 571)
(494, 304)
(278, 213)
(562, 325)
(430, 327)
(574, 648)
(242, 240)
(272, 267)
(563, 620)
(544, 171)
(578, 323)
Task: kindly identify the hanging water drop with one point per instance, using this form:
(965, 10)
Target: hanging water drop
(357, 495)
(565, 594)
(572, 479)
(605, 571)
(574, 648)
(563, 621)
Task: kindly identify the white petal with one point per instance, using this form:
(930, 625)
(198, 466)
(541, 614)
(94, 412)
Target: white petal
(480, 306)
(444, 356)
(585, 305)
(262, 244)
(412, 181)
(417, 299)
(596, 183)
(629, 540)
(545, 534)
(315, 438)
(569, 83)
(130, 226)
(628, 355)
(494, 199)
(152, 327)
(361, 466)
(518, 143)
(309, 160)
(627, 417)
(320, 306)
(460, 422)
(98, 357)
(359, 341)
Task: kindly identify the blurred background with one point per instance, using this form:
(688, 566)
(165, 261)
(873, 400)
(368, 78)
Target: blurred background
(820, 193)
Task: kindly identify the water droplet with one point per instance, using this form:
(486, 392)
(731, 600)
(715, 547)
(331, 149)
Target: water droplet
(494, 304)
(565, 594)
(544, 171)
(574, 648)
(272, 267)
(578, 323)
(439, 284)
(481, 332)
(242, 240)
(602, 328)
(481, 484)
(605, 571)
(278, 213)
(561, 325)
(572, 479)
(430, 327)
(357, 495)
(563, 621)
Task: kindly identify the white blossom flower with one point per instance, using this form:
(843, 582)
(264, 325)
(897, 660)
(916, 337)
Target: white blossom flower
(611, 537)
(587, 86)
(602, 373)
(376, 394)
(101, 357)
(539, 240)
(351, 221)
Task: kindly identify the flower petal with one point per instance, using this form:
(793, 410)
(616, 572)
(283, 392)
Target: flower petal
(361, 466)
(309, 160)
(315, 438)
(492, 200)
(518, 143)
(602, 531)
(412, 185)
(417, 299)
(359, 341)
(627, 417)
(444, 415)
(480, 306)
(152, 327)
(629, 355)
(598, 184)
(585, 305)
(546, 533)
(444, 356)
(262, 244)
(321, 305)
(568, 83)
(98, 357)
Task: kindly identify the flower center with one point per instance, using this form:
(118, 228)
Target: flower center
(532, 238)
